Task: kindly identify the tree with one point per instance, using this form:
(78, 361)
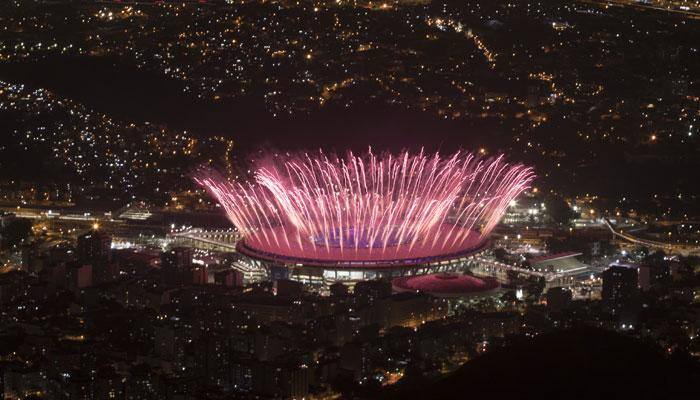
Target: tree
(509, 296)
(559, 210)
(536, 287)
(500, 254)
(513, 276)
(655, 258)
(607, 248)
(16, 232)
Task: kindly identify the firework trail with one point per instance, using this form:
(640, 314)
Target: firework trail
(369, 206)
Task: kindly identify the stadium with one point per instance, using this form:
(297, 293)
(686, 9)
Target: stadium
(321, 219)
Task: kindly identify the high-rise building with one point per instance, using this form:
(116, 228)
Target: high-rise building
(289, 380)
(652, 274)
(94, 246)
(176, 265)
(32, 260)
(79, 276)
(177, 257)
(621, 293)
(367, 292)
(620, 285)
(558, 298)
(355, 359)
(200, 275)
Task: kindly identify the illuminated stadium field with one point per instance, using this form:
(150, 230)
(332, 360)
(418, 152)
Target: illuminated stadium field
(446, 285)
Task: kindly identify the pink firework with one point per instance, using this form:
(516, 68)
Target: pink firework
(369, 207)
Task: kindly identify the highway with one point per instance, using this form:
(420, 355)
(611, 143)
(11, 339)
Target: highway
(666, 246)
(689, 13)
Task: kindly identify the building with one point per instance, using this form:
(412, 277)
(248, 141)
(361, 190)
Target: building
(621, 293)
(411, 309)
(558, 298)
(321, 273)
(21, 382)
(368, 292)
(94, 246)
(361, 232)
(200, 275)
(561, 269)
(177, 257)
(287, 288)
(176, 265)
(281, 380)
(80, 276)
(652, 274)
(355, 360)
(32, 259)
(649, 275)
(229, 278)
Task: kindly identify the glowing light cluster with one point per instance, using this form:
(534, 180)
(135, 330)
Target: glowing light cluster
(369, 207)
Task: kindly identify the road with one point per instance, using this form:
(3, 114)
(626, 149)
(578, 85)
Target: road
(684, 250)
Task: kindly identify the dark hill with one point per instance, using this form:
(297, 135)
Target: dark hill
(582, 364)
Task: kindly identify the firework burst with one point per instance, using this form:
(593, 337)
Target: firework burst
(369, 207)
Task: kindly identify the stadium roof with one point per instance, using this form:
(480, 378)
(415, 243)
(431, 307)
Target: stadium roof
(553, 257)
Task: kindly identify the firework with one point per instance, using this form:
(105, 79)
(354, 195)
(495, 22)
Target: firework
(369, 207)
